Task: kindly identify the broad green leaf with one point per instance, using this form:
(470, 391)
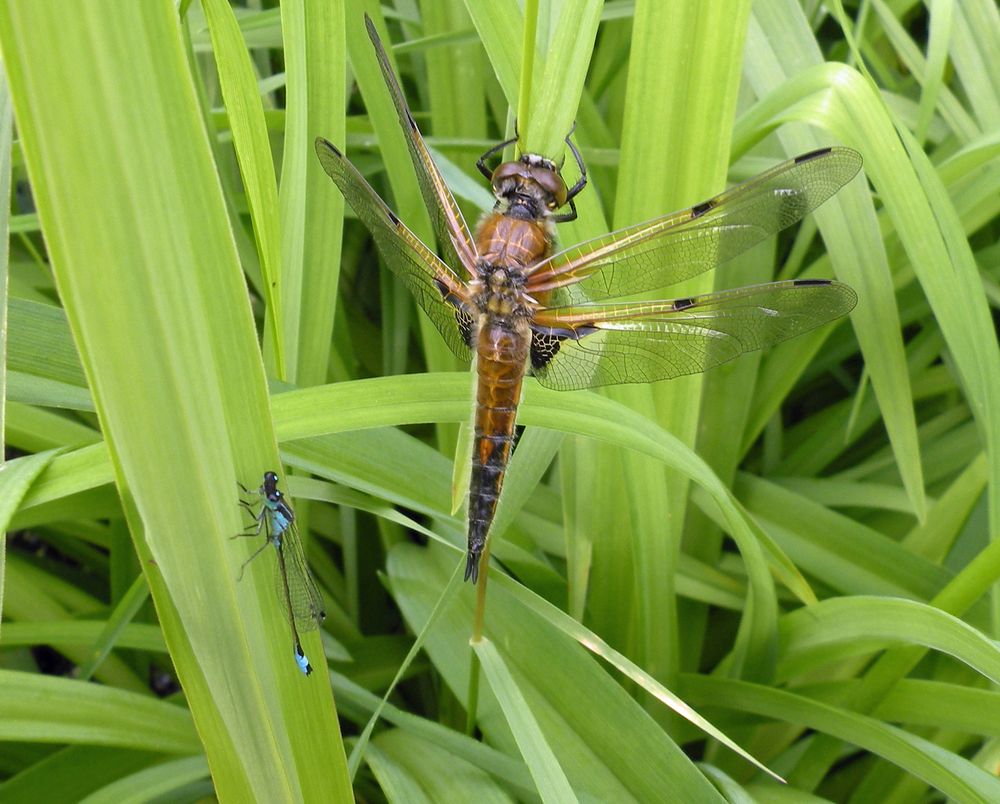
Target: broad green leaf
(141, 247)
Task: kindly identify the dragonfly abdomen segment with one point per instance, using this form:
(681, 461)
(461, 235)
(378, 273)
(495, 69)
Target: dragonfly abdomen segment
(502, 354)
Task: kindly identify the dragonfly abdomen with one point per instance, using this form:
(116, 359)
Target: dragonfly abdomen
(502, 352)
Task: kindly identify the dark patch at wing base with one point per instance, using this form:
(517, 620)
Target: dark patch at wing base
(652, 341)
(544, 347)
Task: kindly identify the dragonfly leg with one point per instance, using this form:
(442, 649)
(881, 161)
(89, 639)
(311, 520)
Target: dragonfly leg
(481, 162)
(566, 216)
(582, 181)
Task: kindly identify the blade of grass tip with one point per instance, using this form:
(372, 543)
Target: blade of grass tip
(548, 775)
(527, 63)
(932, 235)
(461, 477)
(65, 710)
(456, 95)
(954, 775)
(312, 212)
(6, 141)
(472, 713)
(500, 765)
(498, 25)
(159, 781)
(358, 751)
(676, 134)
(597, 646)
(942, 17)
(478, 620)
(408, 202)
(140, 243)
(121, 616)
(16, 478)
(253, 152)
(850, 229)
(556, 92)
(856, 407)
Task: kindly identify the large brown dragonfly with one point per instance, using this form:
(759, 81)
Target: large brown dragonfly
(505, 297)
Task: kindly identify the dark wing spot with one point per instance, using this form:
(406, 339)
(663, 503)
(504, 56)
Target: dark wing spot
(409, 119)
(544, 347)
(700, 209)
(811, 282)
(322, 142)
(392, 216)
(683, 304)
(812, 155)
(463, 318)
(465, 327)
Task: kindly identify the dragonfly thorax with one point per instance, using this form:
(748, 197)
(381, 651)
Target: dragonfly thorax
(499, 291)
(529, 188)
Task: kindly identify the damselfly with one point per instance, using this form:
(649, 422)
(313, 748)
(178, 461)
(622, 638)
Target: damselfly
(295, 586)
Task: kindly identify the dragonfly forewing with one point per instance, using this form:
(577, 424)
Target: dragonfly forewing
(433, 284)
(679, 246)
(453, 235)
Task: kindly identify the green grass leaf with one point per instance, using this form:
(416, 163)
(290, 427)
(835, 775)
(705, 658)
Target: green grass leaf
(792, 552)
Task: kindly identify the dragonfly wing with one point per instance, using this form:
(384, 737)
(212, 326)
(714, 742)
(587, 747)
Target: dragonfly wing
(304, 598)
(454, 239)
(609, 344)
(675, 247)
(437, 289)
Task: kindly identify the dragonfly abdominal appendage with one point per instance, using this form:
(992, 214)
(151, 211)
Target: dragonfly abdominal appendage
(296, 590)
(507, 295)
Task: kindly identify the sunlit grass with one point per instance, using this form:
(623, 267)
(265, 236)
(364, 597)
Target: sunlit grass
(792, 549)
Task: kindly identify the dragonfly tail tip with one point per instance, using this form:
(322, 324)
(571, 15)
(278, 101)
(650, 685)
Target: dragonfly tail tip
(472, 566)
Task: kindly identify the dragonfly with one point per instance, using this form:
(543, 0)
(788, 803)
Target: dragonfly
(507, 298)
(295, 586)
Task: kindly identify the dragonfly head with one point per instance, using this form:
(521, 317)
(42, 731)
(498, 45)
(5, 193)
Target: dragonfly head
(531, 186)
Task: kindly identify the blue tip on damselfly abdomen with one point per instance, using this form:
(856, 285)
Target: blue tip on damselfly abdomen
(293, 582)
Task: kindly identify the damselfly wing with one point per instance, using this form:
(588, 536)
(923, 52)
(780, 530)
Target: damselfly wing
(507, 298)
(294, 583)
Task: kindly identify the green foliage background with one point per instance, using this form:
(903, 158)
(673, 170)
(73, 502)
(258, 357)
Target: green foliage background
(791, 558)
